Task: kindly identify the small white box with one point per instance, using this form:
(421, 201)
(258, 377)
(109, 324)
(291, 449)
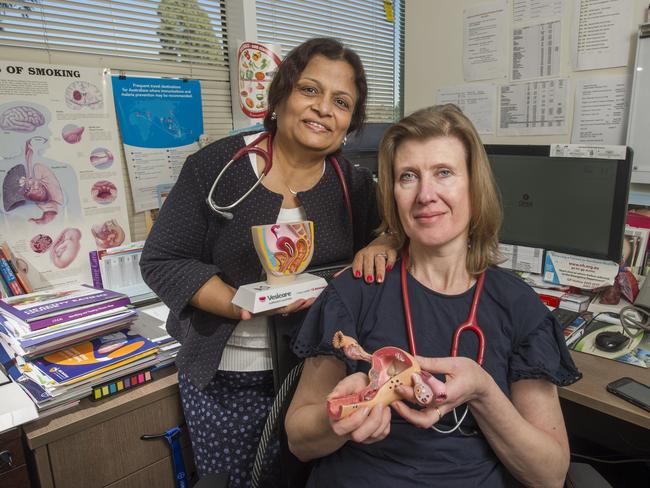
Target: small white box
(259, 297)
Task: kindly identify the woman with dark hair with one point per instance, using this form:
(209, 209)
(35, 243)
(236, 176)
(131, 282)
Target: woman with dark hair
(497, 415)
(195, 259)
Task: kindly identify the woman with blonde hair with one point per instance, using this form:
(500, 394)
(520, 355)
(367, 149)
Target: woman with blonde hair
(499, 415)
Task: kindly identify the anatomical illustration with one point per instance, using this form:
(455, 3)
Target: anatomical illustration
(34, 189)
(104, 192)
(71, 133)
(66, 247)
(108, 234)
(101, 158)
(391, 367)
(40, 243)
(34, 182)
(284, 249)
(80, 94)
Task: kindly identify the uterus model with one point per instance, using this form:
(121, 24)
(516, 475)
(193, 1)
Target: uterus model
(391, 367)
(284, 250)
(33, 182)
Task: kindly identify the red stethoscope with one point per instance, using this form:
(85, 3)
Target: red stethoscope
(471, 324)
(267, 156)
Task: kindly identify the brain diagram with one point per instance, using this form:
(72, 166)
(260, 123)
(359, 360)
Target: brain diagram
(80, 94)
(21, 119)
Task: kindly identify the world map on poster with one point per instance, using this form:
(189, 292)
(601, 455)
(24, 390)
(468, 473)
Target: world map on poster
(161, 121)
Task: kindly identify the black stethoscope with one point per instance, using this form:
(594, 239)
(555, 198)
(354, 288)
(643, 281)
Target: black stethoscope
(470, 324)
(267, 156)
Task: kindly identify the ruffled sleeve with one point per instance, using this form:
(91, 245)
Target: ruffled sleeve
(326, 316)
(543, 354)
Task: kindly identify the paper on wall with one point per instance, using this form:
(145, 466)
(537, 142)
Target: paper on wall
(581, 272)
(523, 10)
(63, 191)
(533, 108)
(484, 42)
(536, 51)
(601, 33)
(600, 112)
(478, 103)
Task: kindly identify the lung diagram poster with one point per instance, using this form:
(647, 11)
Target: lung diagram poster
(60, 168)
(160, 121)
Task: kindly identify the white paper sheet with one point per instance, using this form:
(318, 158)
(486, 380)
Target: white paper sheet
(602, 33)
(536, 51)
(533, 108)
(478, 102)
(525, 10)
(484, 42)
(522, 258)
(600, 112)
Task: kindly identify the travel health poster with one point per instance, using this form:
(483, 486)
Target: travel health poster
(61, 170)
(160, 121)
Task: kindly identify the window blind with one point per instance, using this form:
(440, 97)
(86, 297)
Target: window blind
(361, 25)
(157, 38)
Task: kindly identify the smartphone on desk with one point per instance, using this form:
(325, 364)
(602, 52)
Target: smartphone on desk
(632, 391)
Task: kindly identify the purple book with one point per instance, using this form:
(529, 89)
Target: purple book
(57, 301)
(75, 314)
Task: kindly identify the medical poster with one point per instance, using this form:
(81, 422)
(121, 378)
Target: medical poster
(61, 170)
(160, 121)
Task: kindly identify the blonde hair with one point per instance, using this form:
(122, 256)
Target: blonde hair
(486, 212)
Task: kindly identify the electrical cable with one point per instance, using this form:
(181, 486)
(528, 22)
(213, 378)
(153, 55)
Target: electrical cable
(608, 461)
(635, 320)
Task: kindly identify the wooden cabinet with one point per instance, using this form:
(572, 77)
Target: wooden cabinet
(13, 469)
(99, 444)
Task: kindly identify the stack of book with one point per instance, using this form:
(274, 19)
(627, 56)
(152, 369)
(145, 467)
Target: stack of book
(61, 341)
(13, 280)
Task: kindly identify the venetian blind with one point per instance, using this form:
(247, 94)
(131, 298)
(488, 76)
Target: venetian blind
(158, 38)
(361, 25)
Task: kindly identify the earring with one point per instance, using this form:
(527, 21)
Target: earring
(274, 116)
(345, 140)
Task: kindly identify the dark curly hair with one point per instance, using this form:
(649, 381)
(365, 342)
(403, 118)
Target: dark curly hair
(295, 62)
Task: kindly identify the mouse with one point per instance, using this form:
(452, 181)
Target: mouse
(610, 341)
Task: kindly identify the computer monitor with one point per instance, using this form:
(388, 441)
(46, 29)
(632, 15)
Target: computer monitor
(361, 148)
(572, 205)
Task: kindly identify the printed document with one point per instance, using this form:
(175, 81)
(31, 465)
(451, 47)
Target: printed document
(484, 42)
(524, 10)
(602, 33)
(536, 51)
(533, 108)
(478, 102)
(600, 113)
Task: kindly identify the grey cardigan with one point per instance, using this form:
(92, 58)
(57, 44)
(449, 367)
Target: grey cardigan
(189, 243)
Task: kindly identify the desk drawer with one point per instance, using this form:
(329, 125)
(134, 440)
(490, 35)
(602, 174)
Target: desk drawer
(12, 442)
(112, 450)
(16, 478)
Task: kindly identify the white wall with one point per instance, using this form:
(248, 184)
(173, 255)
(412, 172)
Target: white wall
(434, 56)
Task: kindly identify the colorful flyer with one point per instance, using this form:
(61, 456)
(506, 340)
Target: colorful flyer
(581, 272)
(61, 170)
(161, 121)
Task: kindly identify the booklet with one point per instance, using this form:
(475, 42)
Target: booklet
(49, 307)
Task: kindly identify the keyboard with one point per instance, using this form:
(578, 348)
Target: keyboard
(565, 317)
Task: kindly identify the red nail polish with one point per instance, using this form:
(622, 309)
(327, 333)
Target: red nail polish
(357, 274)
(389, 267)
(370, 278)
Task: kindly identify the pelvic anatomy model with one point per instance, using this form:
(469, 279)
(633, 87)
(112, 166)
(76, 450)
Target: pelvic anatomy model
(391, 367)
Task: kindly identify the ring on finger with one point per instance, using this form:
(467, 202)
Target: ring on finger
(382, 255)
(439, 414)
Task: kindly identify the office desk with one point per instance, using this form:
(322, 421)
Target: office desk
(590, 391)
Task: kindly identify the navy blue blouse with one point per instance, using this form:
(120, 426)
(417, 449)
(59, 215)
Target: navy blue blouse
(523, 340)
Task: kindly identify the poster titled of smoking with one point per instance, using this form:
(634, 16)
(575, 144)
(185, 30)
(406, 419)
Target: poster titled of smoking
(160, 121)
(60, 168)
